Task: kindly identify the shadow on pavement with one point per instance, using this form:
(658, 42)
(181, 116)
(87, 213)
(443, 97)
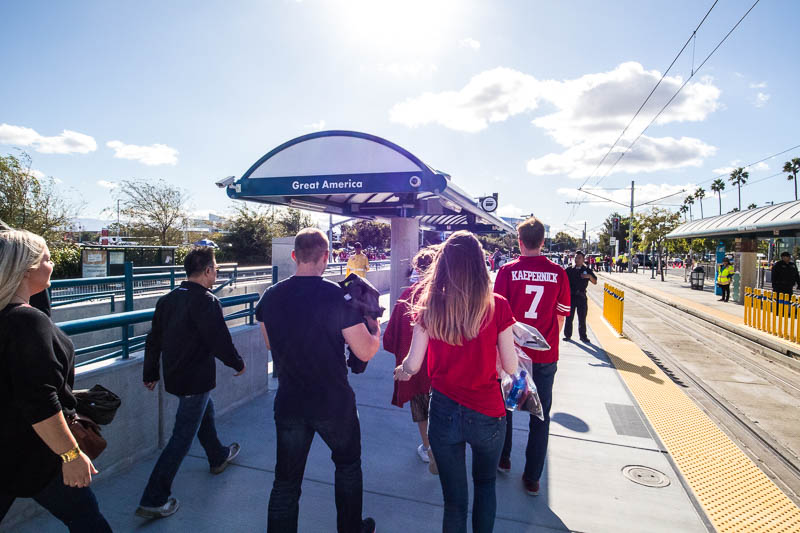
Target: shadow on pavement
(570, 422)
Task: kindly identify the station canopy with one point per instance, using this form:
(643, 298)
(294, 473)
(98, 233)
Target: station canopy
(355, 174)
(772, 220)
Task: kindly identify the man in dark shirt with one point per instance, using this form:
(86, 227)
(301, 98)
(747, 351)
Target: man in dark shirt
(579, 277)
(306, 322)
(188, 332)
(784, 274)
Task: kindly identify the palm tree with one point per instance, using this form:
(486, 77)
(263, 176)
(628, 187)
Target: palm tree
(700, 193)
(689, 201)
(718, 186)
(739, 177)
(684, 209)
(752, 206)
(792, 167)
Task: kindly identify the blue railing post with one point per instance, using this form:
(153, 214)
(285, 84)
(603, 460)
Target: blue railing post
(127, 330)
(274, 274)
(171, 278)
(113, 306)
(252, 304)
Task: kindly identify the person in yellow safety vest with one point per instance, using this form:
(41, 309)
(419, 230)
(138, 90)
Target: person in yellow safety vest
(358, 262)
(724, 279)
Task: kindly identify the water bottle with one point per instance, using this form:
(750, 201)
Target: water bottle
(517, 388)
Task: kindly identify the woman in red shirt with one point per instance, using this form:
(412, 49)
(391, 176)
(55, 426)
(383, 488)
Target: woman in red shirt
(462, 327)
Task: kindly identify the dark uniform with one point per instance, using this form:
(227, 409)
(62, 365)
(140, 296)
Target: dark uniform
(577, 289)
(784, 277)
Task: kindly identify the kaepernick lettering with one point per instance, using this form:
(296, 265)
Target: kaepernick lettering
(529, 275)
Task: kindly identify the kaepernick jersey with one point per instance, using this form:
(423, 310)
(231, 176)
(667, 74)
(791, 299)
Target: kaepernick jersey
(538, 291)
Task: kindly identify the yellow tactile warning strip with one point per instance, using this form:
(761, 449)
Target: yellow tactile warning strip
(735, 494)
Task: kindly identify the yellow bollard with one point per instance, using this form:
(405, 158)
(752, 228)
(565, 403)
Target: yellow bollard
(748, 301)
(783, 318)
(795, 333)
(757, 308)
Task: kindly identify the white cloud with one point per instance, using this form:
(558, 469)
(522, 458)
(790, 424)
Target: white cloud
(68, 142)
(107, 184)
(759, 85)
(590, 111)
(153, 155)
(315, 126)
(762, 99)
(36, 173)
(413, 69)
(469, 42)
(642, 193)
(511, 211)
(736, 163)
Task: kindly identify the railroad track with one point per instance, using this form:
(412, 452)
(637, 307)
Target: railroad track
(779, 463)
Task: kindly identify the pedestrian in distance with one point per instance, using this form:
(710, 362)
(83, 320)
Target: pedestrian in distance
(306, 322)
(39, 456)
(462, 327)
(539, 293)
(579, 276)
(785, 275)
(496, 259)
(358, 262)
(188, 333)
(397, 340)
(724, 279)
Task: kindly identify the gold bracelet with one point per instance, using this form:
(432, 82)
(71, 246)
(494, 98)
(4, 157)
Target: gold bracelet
(71, 455)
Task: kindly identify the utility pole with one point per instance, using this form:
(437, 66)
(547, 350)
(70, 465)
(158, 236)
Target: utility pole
(117, 221)
(585, 239)
(630, 235)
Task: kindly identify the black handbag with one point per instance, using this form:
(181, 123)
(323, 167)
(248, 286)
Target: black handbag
(97, 403)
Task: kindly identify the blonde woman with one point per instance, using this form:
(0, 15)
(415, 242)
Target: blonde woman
(462, 327)
(39, 457)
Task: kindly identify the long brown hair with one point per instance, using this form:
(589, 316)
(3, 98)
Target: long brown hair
(454, 296)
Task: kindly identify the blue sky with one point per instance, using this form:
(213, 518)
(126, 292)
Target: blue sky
(516, 97)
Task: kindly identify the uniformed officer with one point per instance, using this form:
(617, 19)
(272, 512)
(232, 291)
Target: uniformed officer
(358, 262)
(724, 279)
(579, 277)
(784, 275)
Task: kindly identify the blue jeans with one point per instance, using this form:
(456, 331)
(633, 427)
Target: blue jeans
(76, 507)
(195, 416)
(543, 375)
(294, 436)
(450, 427)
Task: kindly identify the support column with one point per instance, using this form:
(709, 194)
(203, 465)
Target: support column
(745, 264)
(405, 245)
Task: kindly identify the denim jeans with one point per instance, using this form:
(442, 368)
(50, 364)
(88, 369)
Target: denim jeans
(543, 375)
(294, 436)
(76, 507)
(451, 427)
(195, 416)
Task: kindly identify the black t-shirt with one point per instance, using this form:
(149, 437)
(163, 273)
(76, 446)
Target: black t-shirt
(577, 284)
(37, 371)
(304, 317)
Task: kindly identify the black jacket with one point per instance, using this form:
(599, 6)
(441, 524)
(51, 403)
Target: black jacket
(785, 275)
(189, 331)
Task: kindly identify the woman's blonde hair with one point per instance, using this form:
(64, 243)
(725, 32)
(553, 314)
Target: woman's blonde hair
(454, 297)
(20, 251)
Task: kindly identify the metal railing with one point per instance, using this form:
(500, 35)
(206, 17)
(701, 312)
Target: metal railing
(613, 306)
(340, 268)
(774, 313)
(125, 321)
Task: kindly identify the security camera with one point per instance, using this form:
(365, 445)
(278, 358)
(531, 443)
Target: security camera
(414, 181)
(225, 182)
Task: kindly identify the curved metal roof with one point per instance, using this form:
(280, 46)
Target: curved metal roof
(781, 217)
(356, 174)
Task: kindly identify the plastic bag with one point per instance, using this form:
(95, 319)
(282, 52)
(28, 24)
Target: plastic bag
(519, 390)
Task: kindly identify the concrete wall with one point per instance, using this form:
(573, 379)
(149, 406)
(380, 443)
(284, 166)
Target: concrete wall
(282, 257)
(144, 420)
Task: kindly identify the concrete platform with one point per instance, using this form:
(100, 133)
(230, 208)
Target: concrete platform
(597, 430)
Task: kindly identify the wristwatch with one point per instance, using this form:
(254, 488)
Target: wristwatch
(71, 455)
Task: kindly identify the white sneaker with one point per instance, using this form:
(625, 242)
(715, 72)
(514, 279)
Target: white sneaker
(422, 451)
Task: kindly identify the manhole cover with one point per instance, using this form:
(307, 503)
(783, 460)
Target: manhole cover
(644, 475)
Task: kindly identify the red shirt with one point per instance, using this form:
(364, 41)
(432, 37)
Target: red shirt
(538, 291)
(467, 374)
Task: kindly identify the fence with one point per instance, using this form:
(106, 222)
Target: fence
(773, 313)
(613, 306)
(340, 268)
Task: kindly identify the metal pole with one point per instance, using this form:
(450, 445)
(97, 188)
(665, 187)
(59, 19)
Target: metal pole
(127, 330)
(630, 235)
(330, 237)
(118, 221)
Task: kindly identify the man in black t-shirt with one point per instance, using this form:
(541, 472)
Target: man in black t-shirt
(306, 322)
(579, 277)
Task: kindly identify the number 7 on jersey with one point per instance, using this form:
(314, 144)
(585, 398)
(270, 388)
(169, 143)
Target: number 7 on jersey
(537, 291)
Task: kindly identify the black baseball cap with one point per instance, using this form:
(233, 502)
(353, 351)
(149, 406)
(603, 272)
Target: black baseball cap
(786, 254)
(580, 252)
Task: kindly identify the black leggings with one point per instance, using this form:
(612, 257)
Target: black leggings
(726, 292)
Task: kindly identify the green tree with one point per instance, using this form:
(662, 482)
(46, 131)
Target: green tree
(718, 186)
(752, 206)
(154, 208)
(31, 203)
(689, 201)
(655, 225)
(699, 194)
(739, 177)
(250, 234)
(289, 222)
(792, 168)
(369, 233)
(604, 237)
(683, 210)
(506, 242)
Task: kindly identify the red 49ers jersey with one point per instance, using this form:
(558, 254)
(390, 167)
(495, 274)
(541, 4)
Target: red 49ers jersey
(538, 291)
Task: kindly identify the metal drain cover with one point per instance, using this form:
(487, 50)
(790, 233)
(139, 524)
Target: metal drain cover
(644, 475)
